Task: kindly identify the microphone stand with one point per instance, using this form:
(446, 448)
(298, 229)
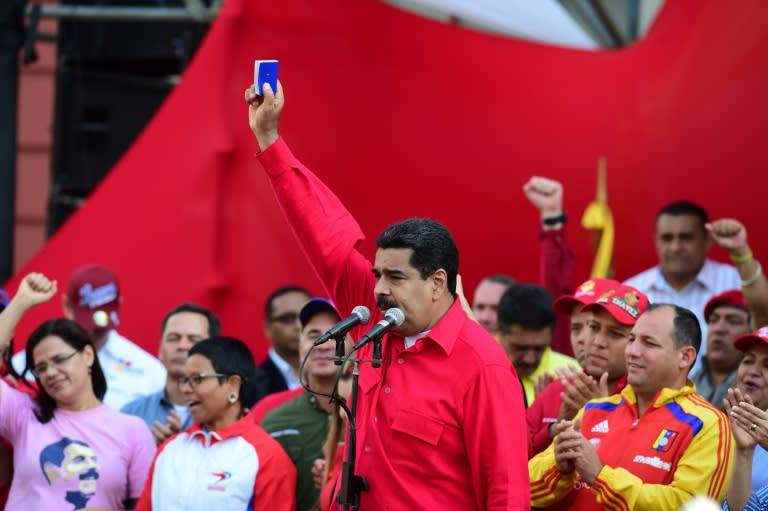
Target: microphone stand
(339, 356)
(351, 484)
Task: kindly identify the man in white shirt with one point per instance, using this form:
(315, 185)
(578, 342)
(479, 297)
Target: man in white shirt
(684, 275)
(93, 300)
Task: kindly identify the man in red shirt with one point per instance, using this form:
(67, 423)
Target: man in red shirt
(438, 423)
(544, 412)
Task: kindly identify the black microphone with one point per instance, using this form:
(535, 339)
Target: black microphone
(394, 317)
(360, 315)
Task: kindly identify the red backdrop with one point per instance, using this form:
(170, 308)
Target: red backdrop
(405, 117)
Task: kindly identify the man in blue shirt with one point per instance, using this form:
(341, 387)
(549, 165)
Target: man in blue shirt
(164, 411)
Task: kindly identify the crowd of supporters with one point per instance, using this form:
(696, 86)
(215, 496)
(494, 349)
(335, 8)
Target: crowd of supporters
(641, 394)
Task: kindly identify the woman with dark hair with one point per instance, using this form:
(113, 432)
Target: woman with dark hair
(71, 451)
(224, 461)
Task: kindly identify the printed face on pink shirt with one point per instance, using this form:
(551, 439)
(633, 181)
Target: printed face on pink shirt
(73, 466)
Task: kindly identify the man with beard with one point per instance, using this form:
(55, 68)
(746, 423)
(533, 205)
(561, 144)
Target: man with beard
(67, 459)
(437, 421)
(164, 411)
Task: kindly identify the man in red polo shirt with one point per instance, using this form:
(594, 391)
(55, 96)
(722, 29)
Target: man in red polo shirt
(438, 423)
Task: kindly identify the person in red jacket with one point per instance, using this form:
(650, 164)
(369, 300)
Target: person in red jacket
(603, 305)
(437, 423)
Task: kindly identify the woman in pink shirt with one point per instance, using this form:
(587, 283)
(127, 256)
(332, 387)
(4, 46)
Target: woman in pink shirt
(70, 450)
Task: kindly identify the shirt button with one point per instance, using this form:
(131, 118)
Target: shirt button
(387, 389)
(376, 419)
(368, 448)
(401, 360)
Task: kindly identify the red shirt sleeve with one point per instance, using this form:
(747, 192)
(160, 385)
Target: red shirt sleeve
(326, 231)
(275, 486)
(492, 436)
(556, 267)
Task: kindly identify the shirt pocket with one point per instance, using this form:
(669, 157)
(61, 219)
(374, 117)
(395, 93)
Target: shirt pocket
(417, 441)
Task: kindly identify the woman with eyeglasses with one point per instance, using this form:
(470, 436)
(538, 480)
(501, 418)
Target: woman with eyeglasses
(224, 461)
(70, 450)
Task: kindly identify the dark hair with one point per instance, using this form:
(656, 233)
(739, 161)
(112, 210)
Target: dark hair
(277, 293)
(230, 356)
(683, 207)
(8, 363)
(432, 244)
(77, 337)
(214, 325)
(500, 278)
(686, 330)
(526, 305)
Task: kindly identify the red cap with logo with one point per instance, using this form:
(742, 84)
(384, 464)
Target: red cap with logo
(94, 295)
(742, 343)
(732, 298)
(585, 294)
(624, 303)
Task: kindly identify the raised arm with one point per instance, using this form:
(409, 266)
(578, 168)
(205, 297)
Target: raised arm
(556, 260)
(325, 229)
(732, 236)
(34, 289)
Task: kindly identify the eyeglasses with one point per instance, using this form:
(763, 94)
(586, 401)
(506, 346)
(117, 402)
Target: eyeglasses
(288, 318)
(196, 379)
(41, 368)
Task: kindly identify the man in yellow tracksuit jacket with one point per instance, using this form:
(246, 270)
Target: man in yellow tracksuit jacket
(653, 446)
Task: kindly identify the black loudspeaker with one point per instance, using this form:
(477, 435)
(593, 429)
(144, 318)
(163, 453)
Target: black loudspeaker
(111, 77)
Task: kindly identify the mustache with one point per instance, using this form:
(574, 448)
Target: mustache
(90, 474)
(384, 303)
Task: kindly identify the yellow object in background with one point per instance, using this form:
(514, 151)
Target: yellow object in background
(598, 217)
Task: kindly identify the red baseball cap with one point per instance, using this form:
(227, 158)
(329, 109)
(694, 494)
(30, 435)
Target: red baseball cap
(624, 303)
(732, 298)
(94, 295)
(585, 294)
(742, 343)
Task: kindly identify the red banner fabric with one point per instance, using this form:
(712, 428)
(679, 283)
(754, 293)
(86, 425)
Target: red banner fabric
(403, 117)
